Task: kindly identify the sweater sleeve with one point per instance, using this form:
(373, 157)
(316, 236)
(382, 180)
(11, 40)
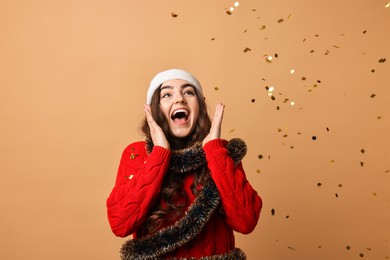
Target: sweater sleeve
(240, 201)
(137, 186)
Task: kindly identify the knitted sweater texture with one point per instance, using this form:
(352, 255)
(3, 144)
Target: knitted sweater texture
(138, 183)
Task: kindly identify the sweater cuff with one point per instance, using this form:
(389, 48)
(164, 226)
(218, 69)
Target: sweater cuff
(214, 144)
(160, 152)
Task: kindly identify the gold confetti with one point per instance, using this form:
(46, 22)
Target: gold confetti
(383, 60)
(373, 95)
(331, 161)
(379, 117)
(340, 185)
(216, 88)
(336, 195)
(361, 255)
(280, 20)
(362, 164)
(260, 156)
(292, 103)
(272, 212)
(232, 130)
(247, 49)
(387, 171)
(348, 247)
(314, 137)
(362, 150)
(228, 12)
(289, 247)
(319, 184)
(262, 27)
(387, 5)
(268, 59)
(292, 71)
(174, 15)
(372, 70)
(375, 194)
(364, 32)
(212, 39)
(258, 171)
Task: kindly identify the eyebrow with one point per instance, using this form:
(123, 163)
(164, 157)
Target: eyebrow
(182, 86)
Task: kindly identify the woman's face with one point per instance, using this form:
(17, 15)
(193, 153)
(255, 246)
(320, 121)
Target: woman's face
(179, 104)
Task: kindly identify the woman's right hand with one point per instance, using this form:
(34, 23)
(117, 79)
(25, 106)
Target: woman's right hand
(156, 133)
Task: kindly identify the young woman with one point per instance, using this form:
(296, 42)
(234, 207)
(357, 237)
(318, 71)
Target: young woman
(183, 191)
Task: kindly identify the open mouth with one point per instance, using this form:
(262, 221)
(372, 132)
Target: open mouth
(180, 116)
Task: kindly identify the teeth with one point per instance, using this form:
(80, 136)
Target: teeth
(180, 110)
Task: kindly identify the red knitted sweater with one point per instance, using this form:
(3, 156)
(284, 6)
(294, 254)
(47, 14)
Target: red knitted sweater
(139, 179)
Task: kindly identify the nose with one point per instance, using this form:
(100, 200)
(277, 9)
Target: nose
(179, 99)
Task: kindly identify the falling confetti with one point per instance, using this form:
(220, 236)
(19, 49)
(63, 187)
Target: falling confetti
(362, 150)
(314, 137)
(262, 27)
(387, 5)
(247, 49)
(361, 255)
(348, 248)
(292, 71)
(268, 59)
(373, 95)
(272, 212)
(383, 60)
(291, 248)
(258, 171)
(281, 20)
(362, 164)
(174, 15)
(253, 100)
(231, 9)
(212, 39)
(216, 88)
(260, 156)
(319, 184)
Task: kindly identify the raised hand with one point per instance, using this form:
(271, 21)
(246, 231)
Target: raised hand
(215, 130)
(156, 133)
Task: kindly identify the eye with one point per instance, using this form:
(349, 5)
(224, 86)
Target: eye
(189, 92)
(165, 95)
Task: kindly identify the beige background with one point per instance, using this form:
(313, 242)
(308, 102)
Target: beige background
(73, 78)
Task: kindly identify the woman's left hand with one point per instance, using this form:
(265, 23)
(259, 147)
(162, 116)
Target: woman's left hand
(215, 130)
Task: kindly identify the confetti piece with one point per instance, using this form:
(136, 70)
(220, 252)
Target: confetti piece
(387, 171)
(319, 184)
(340, 185)
(258, 171)
(379, 117)
(331, 161)
(281, 20)
(292, 71)
(387, 5)
(362, 150)
(174, 15)
(268, 59)
(327, 129)
(362, 164)
(374, 194)
(216, 88)
(260, 156)
(253, 100)
(287, 216)
(236, 4)
(232, 130)
(336, 195)
(372, 96)
(364, 31)
(361, 255)
(314, 137)
(276, 55)
(372, 70)
(292, 103)
(303, 78)
(262, 27)
(383, 60)
(348, 247)
(212, 39)
(272, 212)
(289, 247)
(247, 49)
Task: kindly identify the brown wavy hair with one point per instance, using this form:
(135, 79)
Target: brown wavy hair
(172, 190)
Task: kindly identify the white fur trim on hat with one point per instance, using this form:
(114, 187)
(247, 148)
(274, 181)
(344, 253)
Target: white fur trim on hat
(166, 75)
